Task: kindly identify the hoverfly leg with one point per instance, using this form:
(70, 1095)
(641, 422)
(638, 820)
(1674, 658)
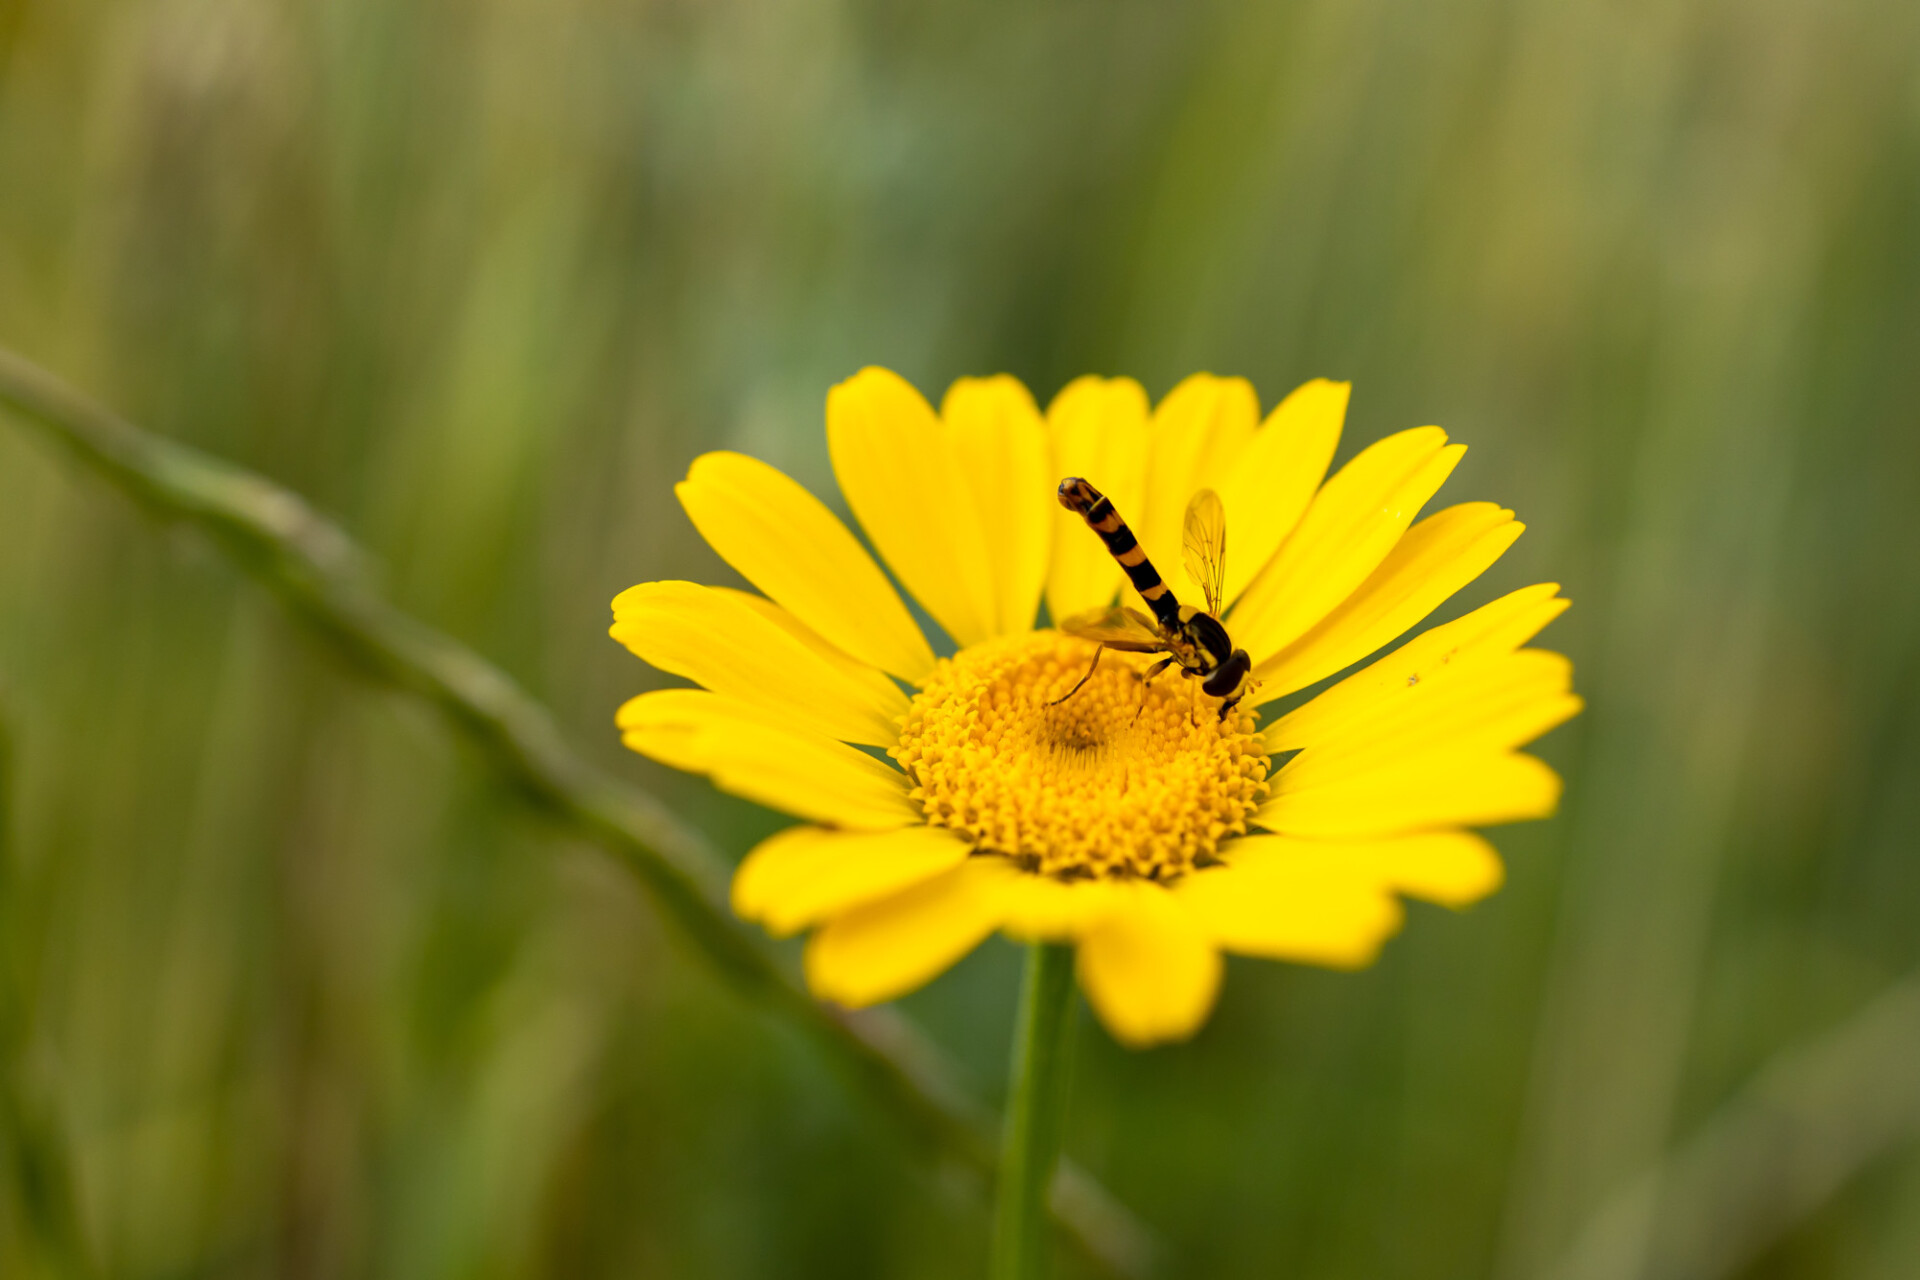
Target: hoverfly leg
(1147, 679)
(1227, 706)
(1097, 651)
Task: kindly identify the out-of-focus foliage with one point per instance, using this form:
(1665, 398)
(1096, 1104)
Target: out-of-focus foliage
(292, 992)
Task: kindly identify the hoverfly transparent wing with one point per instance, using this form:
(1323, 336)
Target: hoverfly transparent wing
(1205, 542)
(1117, 628)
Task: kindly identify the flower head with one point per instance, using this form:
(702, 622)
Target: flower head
(1137, 818)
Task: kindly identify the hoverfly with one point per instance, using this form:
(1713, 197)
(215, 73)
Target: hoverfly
(1194, 640)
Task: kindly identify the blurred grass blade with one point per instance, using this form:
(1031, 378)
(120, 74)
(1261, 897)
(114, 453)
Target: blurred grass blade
(314, 568)
(1816, 1115)
(38, 1163)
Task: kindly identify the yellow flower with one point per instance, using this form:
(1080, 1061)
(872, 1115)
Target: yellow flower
(1136, 824)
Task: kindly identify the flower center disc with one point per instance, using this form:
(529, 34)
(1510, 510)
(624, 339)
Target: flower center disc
(1103, 784)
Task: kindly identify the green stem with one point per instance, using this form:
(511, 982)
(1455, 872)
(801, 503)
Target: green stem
(1035, 1110)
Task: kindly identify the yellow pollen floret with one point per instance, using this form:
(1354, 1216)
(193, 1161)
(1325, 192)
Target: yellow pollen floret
(1099, 785)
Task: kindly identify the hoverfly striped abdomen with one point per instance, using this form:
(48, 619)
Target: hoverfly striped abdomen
(1081, 498)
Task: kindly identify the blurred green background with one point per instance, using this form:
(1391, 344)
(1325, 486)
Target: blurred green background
(294, 991)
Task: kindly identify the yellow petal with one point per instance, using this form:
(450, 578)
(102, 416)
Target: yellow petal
(1098, 429)
(1308, 915)
(997, 440)
(1436, 558)
(1044, 909)
(903, 480)
(1267, 488)
(1489, 633)
(784, 541)
(1482, 709)
(1419, 795)
(1453, 868)
(1148, 969)
(807, 874)
(798, 630)
(750, 753)
(1196, 433)
(888, 947)
(751, 649)
(1349, 527)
